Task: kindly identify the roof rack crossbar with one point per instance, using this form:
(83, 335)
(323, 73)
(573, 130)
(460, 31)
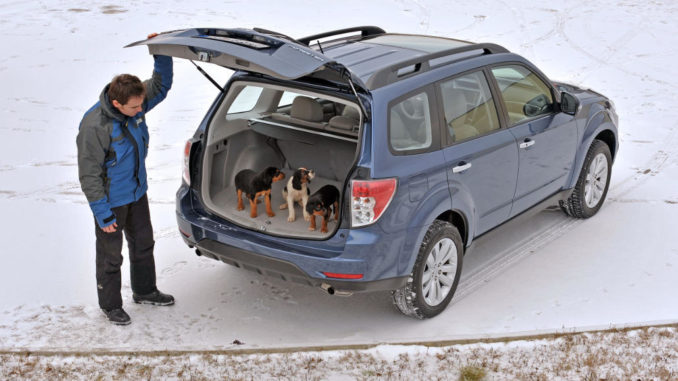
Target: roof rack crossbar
(364, 30)
(389, 74)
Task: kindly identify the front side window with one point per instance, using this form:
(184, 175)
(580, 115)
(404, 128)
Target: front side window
(410, 124)
(469, 107)
(525, 95)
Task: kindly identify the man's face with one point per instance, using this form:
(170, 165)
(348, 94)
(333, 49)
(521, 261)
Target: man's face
(132, 107)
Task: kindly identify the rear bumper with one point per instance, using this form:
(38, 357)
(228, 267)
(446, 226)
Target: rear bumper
(366, 251)
(285, 270)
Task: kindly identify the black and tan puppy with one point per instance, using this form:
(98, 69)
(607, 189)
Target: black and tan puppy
(321, 203)
(297, 190)
(255, 185)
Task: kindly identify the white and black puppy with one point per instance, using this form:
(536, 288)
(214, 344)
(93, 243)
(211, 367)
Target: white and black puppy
(297, 191)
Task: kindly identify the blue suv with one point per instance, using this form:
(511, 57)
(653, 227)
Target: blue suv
(429, 143)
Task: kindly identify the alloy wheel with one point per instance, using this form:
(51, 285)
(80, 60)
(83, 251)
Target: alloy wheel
(439, 273)
(596, 180)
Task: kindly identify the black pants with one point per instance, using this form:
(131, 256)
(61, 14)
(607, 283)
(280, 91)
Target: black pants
(135, 220)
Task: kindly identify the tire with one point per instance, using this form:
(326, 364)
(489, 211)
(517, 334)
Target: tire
(428, 292)
(594, 180)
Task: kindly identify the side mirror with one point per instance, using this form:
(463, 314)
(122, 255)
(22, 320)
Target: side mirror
(568, 103)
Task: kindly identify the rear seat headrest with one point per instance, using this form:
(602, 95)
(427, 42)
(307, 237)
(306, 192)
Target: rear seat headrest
(343, 123)
(307, 109)
(351, 112)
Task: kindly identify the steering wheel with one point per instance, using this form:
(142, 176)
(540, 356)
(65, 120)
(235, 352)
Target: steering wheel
(536, 106)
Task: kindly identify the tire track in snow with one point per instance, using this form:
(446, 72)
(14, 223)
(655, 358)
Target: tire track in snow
(423, 14)
(477, 279)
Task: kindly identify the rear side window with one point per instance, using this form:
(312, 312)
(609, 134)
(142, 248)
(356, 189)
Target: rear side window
(469, 107)
(410, 124)
(246, 99)
(524, 94)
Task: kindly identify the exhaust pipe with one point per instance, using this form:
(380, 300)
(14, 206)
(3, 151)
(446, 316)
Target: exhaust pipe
(329, 289)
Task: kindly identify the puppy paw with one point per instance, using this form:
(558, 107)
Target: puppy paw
(290, 219)
(311, 229)
(307, 217)
(270, 214)
(283, 206)
(241, 208)
(323, 230)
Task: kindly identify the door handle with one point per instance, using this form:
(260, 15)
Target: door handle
(527, 143)
(461, 167)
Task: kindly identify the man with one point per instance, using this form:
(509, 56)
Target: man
(112, 147)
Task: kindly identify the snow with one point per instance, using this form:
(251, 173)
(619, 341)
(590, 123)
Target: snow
(546, 274)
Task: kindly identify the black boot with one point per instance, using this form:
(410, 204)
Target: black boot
(155, 298)
(117, 316)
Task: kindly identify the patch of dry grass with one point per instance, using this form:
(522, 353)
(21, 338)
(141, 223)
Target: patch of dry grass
(647, 354)
(472, 373)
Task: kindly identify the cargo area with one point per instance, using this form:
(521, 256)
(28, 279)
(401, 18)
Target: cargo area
(259, 126)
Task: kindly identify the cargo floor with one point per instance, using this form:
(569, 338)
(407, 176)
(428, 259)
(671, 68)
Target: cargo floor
(278, 224)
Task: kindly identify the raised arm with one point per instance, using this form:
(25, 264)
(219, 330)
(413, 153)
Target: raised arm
(160, 83)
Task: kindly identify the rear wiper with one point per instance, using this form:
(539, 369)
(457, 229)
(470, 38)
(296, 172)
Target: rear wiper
(208, 76)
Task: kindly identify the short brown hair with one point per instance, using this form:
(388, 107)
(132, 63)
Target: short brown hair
(125, 86)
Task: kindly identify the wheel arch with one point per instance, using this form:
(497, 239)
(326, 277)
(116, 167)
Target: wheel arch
(459, 221)
(608, 137)
(600, 126)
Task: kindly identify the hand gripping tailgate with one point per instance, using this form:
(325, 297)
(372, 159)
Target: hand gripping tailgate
(239, 49)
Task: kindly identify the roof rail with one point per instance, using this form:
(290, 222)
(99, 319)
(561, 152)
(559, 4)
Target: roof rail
(364, 30)
(390, 74)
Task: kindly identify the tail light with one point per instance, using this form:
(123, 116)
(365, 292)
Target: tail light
(370, 199)
(187, 159)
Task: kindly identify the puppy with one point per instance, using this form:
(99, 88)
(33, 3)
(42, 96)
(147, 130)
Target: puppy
(255, 185)
(321, 203)
(297, 190)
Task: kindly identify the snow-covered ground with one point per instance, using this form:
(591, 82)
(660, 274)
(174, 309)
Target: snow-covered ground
(547, 274)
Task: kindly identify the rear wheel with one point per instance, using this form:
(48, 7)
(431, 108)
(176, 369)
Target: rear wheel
(594, 180)
(435, 275)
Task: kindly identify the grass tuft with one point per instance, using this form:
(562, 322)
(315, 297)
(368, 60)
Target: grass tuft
(472, 373)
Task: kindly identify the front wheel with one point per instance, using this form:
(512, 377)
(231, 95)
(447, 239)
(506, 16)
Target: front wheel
(594, 180)
(435, 275)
